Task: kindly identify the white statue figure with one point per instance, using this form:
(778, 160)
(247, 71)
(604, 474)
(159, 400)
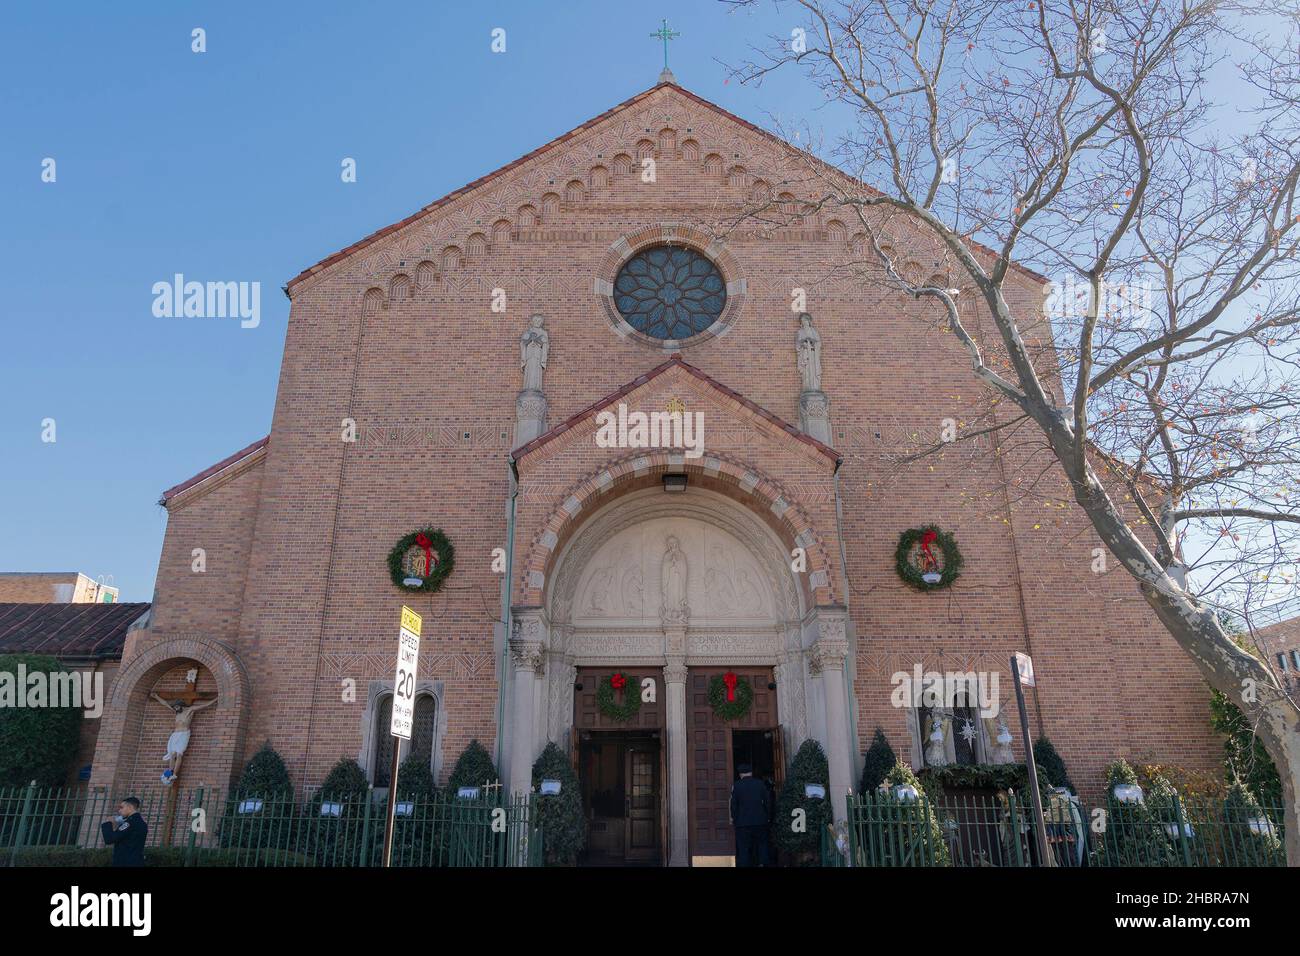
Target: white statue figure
(1002, 752)
(808, 348)
(534, 348)
(180, 735)
(935, 755)
(673, 581)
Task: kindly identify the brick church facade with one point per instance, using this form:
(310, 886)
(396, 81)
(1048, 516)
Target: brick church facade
(419, 390)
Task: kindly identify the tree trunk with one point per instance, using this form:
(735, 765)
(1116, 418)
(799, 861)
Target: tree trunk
(1197, 630)
(1275, 719)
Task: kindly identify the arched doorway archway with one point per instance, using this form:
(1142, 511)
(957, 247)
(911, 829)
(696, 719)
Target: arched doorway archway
(678, 587)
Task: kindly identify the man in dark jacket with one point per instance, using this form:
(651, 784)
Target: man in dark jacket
(751, 814)
(126, 834)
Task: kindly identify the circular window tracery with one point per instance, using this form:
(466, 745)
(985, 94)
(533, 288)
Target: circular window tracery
(670, 292)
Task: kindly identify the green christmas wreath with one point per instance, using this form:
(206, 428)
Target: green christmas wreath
(606, 697)
(930, 574)
(409, 561)
(742, 697)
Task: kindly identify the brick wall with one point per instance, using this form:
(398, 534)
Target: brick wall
(297, 581)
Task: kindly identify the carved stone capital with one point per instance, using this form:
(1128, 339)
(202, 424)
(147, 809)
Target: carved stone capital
(675, 673)
(827, 655)
(527, 655)
(529, 626)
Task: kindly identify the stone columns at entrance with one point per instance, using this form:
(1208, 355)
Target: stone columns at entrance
(679, 821)
(826, 663)
(527, 656)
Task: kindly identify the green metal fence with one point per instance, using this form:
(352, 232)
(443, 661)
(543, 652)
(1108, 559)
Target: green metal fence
(207, 827)
(998, 830)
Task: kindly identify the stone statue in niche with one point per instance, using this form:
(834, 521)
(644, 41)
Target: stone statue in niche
(534, 348)
(808, 350)
(673, 583)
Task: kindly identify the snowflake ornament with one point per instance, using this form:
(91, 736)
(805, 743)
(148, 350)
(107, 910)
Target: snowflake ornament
(968, 731)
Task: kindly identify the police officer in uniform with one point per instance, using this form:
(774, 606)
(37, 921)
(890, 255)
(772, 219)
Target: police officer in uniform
(751, 815)
(126, 834)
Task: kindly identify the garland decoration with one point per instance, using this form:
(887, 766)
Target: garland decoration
(730, 696)
(919, 565)
(421, 560)
(606, 697)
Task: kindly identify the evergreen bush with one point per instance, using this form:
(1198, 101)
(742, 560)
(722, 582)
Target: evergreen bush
(1134, 834)
(336, 822)
(36, 743)
(1250, 837)
(809, 766)
(559, 816)
(877, 762)
(912, 832)
(474, 768)
(1050, 764)
(272, 821)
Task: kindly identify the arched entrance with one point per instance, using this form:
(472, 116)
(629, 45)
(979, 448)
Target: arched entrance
(677, 588)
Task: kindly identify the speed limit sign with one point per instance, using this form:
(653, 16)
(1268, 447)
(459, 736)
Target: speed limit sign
(408, 662)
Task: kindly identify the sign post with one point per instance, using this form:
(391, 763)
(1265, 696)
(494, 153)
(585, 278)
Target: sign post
(1023, 667)
(408, 662)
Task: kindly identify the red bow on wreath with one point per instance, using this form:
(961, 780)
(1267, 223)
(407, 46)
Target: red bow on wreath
(618, 681)
(730, 680)
(927, 539)
(422, 540)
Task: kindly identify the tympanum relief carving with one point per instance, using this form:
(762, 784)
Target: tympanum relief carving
(672, 571)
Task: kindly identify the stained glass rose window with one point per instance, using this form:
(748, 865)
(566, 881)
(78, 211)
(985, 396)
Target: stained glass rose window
(669, 292)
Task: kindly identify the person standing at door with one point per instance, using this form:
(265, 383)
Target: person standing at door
(751, 814)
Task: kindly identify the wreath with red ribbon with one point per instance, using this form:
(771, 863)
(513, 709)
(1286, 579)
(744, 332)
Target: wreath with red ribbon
(917, 562)
(432, 555)
(607, 697)
(730, 696)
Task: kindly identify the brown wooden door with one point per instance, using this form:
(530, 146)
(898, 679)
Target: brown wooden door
(709, 758)
(642, 788)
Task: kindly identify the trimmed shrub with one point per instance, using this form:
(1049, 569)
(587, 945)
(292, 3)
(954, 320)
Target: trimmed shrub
(1134, 834)
(560, 817)
(474, 768)
(270, 824)
(336, 822)
(472, 840)
(1250, 837)
(914, 836)
(877, 762)
(265, 774)
(415, 778)
(809, 766)
(36, 743)
(414, 830)
(1050, 764)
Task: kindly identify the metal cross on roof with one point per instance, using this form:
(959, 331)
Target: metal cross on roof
(663, 33)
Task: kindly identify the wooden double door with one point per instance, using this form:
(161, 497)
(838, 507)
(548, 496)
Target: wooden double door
(718, 747)
(622, 795)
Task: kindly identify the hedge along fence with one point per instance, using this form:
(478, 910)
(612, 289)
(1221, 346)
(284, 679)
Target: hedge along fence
(1163, 831)
(55, 827)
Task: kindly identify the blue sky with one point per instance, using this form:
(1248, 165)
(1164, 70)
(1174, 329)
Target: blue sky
(225, 166)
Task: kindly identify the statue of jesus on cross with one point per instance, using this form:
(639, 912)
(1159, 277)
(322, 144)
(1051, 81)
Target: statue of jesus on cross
(183, 705)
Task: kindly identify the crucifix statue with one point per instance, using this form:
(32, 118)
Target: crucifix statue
(184, 705)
